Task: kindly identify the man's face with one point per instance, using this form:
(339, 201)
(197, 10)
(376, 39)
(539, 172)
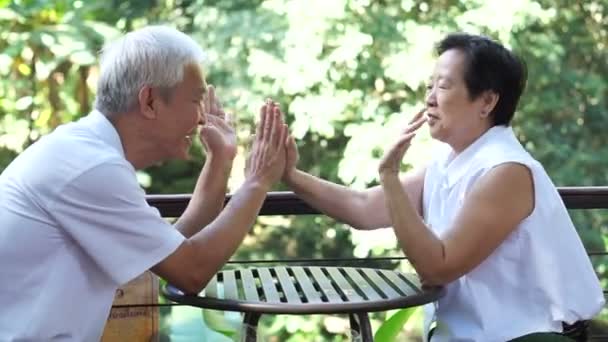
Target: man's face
(182, 113)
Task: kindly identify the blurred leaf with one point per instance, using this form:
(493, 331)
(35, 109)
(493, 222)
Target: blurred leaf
(390, 329)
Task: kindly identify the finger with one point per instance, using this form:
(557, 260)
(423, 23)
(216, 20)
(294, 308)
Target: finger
(280, 113)
(217, 108)
(285, 128)
(276, 105)
(406, 138)
(421, 117)
(269, 126)
(209, 99)
(416, 125)
(280, 124)
(262, 124)
(418, 115)
(289, 140)
(218, 122)
(229, 119)
(276, 129)
(269, 106)
(284, 135)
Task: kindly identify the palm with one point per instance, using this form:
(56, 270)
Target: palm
(218, 136)
(391, 161)
(393, 156)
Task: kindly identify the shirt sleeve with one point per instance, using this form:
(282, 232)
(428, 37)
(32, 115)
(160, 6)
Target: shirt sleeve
(104, 211)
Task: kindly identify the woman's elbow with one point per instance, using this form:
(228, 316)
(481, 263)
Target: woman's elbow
(364, 225)
(438, 276)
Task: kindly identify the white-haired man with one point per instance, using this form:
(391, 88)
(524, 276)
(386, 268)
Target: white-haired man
(75, 222)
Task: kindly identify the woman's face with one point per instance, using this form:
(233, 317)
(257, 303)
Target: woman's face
(453, 117)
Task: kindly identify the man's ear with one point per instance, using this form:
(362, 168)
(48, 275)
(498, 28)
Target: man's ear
(147, 103)
(490, 99)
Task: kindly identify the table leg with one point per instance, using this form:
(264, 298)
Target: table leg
(359, 324)
(251, 326)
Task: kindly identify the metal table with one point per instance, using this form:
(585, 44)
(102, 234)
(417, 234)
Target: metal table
(309, 290)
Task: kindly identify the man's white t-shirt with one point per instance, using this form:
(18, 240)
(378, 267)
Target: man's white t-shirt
(75, 225)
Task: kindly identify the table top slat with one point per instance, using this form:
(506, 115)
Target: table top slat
(407, 288)
(362, 284)
(310, 293)
(230, 285)
(270, 290)
(387, 289)
(249, 285)
(350, 293)
(325, 284)
(287, 285)
(412, 279)
(211, 288)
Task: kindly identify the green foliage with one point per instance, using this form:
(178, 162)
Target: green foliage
(392, 327)
(348, 73)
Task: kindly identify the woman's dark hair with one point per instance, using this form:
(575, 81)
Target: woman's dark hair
(490, 66)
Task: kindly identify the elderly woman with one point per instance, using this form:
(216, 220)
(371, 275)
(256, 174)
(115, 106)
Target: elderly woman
(483, 219)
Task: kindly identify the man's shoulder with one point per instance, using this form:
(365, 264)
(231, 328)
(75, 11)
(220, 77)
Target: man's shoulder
(70, 151)
(61, 158)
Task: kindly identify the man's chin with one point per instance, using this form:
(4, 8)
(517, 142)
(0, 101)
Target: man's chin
(185, 156)
(185, 153)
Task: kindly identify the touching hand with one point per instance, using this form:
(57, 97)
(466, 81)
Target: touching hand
(218, 135)
(292, 157)
(391, 161)
(266, 162)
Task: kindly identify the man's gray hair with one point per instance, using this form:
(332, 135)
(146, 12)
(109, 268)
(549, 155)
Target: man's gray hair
(153, 56)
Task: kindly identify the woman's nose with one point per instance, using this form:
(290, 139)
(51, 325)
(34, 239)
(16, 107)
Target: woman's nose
(431, 101)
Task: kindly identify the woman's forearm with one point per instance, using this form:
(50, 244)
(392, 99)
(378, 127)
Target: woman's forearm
(337, 201)
(422, 247)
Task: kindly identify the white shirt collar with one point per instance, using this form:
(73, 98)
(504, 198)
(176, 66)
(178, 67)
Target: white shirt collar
(104, 129)
(455, 167)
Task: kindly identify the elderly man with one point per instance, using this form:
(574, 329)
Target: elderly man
(75, 222)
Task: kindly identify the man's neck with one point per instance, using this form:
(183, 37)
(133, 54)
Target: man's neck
(136, 142)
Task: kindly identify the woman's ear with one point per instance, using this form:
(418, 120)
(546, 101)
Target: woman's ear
(490, 99)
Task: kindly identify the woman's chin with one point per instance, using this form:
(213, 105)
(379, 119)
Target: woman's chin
(434, 132)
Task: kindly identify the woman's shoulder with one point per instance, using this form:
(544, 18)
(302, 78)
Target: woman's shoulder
(503, 150)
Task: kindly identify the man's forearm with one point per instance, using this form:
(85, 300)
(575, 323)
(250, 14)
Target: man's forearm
(218, 241)
(207, 198)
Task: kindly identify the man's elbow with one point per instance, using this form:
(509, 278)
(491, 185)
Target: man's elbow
(194, 282)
